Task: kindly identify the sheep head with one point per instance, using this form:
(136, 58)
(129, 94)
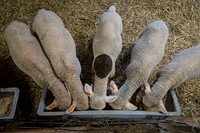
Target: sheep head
(151, 101)
(98, 102)
(120, 103)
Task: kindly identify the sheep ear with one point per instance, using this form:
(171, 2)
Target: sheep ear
(130, 106)
(161, 107)
(110, 99)
(113, 87)
(71, 109)
(88, 89)
(147, 88)
(92, 85)
(53, 105)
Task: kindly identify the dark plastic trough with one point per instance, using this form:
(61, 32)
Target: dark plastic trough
(171, 105)
(5, 92)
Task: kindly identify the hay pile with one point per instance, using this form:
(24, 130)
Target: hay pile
(81, 18)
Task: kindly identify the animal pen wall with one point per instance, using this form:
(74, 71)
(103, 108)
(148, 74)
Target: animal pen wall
(81, 19)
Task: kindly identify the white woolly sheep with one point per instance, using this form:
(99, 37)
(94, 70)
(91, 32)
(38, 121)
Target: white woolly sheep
(59, 47)
(184, 66)
(146, 54)
(27, 54)
(107, 46)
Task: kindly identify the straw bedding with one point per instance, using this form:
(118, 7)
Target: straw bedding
(81, 19)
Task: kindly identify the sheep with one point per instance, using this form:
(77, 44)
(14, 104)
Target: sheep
(59, 46)
(146, 54)
(184, 66)
(28, 56)
(107, 46)
(139, 96)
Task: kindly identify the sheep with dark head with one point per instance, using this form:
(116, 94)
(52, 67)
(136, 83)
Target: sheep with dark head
(107, 46)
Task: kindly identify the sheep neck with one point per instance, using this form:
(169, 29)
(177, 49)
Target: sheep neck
(55, 86)
(128, 89)
(100, 86)
(74, 85)
(161, 87)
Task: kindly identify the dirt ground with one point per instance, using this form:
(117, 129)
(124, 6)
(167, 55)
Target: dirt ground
(81, 19)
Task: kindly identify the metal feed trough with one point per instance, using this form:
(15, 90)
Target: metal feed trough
(5, 92)
(171, 105)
